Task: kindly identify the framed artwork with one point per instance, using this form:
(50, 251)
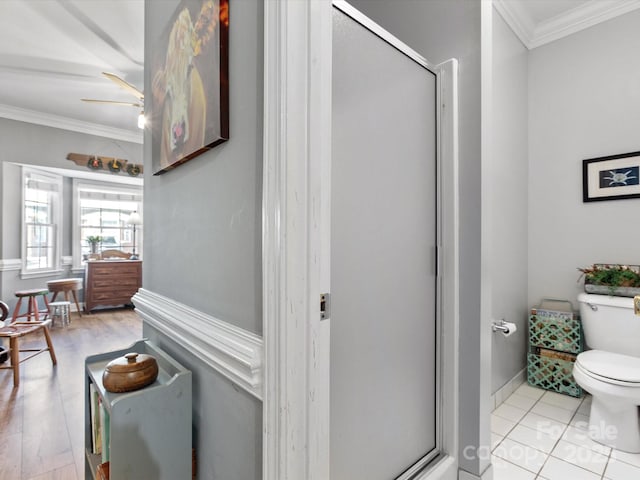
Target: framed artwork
(611, 178)
(189, 108)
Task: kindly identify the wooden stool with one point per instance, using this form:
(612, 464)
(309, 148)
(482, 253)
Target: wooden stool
(32, 304)
(60, 313)
(66, 285)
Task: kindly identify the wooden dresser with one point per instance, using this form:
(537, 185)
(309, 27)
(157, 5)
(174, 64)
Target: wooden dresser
(111, 282)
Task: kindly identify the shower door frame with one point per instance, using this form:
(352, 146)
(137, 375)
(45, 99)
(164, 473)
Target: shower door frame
(296, 244)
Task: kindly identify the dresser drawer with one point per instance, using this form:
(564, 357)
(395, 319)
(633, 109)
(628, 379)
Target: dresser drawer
(113, 298)
(107, 282)
(113, 269)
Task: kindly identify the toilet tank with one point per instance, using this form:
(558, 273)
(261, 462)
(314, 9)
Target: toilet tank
(609, 324)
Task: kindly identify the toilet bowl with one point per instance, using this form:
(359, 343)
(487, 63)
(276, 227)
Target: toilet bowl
(610, 372)
(614, 382)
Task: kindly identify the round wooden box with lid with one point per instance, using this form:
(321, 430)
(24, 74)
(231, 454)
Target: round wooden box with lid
(131, 372)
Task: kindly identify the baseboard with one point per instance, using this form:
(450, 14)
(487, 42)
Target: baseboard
(486, 475)
(445, 469)
(508, 388)
(232, 351)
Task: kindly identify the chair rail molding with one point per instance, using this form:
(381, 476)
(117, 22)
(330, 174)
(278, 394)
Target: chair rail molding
(234, 352)
(8, 264)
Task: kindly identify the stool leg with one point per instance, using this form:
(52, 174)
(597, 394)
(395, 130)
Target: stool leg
(33, 308)
(15, 361)
(16, 310)
(52, 352)
(46, 304)
(55, 294)
(75, 298)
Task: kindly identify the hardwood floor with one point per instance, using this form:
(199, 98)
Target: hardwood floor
(41, 421)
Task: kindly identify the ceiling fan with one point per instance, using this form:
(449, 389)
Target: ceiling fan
(129, 88)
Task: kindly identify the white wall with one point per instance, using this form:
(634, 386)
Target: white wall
(508, 200)
(584, 102)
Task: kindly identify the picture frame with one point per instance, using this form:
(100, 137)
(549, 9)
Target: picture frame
(614, 177)
(188, 107)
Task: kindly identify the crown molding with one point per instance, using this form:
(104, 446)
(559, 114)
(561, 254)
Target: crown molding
(66, 123)
(518, 19)
(574, 20)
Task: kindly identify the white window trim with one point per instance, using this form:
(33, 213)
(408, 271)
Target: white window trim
(78, 184)
(56, 220)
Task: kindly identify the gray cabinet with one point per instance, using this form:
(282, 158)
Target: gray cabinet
(147, 432)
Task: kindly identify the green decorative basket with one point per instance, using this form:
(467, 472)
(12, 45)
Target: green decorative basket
(553, 374)
(556, 330)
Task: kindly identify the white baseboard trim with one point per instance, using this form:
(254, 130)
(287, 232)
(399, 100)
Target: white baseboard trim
(508, 388)
(232, 351)
(9, 264)
(445, 469)
(486, 475)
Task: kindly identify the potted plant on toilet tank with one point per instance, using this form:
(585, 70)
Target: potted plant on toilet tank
(612, 279)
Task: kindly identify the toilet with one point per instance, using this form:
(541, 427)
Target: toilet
(610, 371)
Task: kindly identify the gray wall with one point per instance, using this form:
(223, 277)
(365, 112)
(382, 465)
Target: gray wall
(583, 103)
(203, 245)
(440, 30)
(508, 203)
(38, 145)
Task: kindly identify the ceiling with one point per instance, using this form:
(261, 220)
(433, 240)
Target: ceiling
(52, 53)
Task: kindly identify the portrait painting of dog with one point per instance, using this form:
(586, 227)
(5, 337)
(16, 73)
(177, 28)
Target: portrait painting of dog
(189, 81)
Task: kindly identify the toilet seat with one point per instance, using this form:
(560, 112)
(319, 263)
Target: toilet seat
(610, 367)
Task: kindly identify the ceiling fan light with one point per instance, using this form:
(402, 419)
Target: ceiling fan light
(141, 120)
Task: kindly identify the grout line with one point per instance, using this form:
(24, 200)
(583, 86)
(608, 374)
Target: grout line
(566, 426)
(607, 464)
(602, 477)
(558, 440)
(516, 423)
(564, 430)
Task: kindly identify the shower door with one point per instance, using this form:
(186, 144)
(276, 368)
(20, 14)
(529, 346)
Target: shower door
(384, 285)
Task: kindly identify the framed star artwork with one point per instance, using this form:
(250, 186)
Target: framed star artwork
(614, 177)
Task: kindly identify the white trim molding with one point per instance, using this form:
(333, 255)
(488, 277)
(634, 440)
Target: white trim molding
(449, 248)
(486, 475)
(6, 265)
(297, 152)
(66, 123)
(574, 20)
(234, 352)
(508, 388)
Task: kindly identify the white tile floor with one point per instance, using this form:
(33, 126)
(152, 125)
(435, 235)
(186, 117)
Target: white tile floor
(544, 435)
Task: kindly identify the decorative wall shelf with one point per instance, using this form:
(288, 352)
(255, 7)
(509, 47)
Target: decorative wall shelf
(106, 164)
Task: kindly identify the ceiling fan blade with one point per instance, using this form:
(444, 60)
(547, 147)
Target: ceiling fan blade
(112, 102)
(125, 85)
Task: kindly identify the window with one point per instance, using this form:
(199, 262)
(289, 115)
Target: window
(40, 222)
(102, 210)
